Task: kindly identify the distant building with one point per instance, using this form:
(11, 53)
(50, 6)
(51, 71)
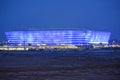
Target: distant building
(57, 37)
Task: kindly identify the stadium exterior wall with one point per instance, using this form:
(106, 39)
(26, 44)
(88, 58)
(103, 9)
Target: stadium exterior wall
(57, 37)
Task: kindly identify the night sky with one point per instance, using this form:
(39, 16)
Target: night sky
(102, 15)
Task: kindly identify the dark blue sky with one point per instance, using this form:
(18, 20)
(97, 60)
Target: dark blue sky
(60, 14)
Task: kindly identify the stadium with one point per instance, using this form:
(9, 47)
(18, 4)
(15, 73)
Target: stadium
(57, 37)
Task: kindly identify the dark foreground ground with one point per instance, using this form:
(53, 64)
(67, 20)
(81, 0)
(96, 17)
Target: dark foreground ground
(73, 66)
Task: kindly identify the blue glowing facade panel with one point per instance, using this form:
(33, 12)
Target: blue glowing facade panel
(57, 37)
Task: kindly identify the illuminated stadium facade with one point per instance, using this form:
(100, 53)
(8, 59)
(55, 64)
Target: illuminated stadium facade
(57, 37)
